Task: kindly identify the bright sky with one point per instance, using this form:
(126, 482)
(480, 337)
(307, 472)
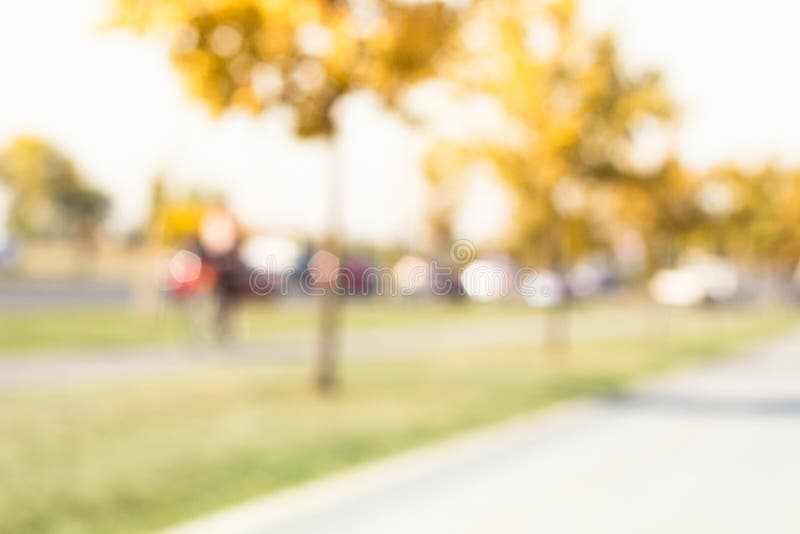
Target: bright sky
(115, 105)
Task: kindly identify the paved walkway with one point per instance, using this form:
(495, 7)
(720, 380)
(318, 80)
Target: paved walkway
(716, 449)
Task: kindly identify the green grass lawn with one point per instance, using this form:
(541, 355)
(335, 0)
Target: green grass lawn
(146, 454)
(51, 331)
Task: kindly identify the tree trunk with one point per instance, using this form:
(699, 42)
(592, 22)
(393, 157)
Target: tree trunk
(557, 329)
(326, 375)
(326, 369)
(557, 324)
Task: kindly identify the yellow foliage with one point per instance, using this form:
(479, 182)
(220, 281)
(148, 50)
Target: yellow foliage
(313, 51)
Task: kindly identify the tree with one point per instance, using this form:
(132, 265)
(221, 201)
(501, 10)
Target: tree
(773, 228)
(751, 215)
(175, 216)
(305, 54)
(574, 112)
(50, 199)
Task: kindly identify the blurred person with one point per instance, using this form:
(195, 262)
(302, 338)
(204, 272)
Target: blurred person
(219, 251)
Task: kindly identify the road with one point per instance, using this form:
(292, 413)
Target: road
(714, 449)
(65, 293)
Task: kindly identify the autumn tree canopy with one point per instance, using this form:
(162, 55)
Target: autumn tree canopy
(574, 111)
(305, 54)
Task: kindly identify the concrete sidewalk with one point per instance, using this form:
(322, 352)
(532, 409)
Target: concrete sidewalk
(714, 449)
